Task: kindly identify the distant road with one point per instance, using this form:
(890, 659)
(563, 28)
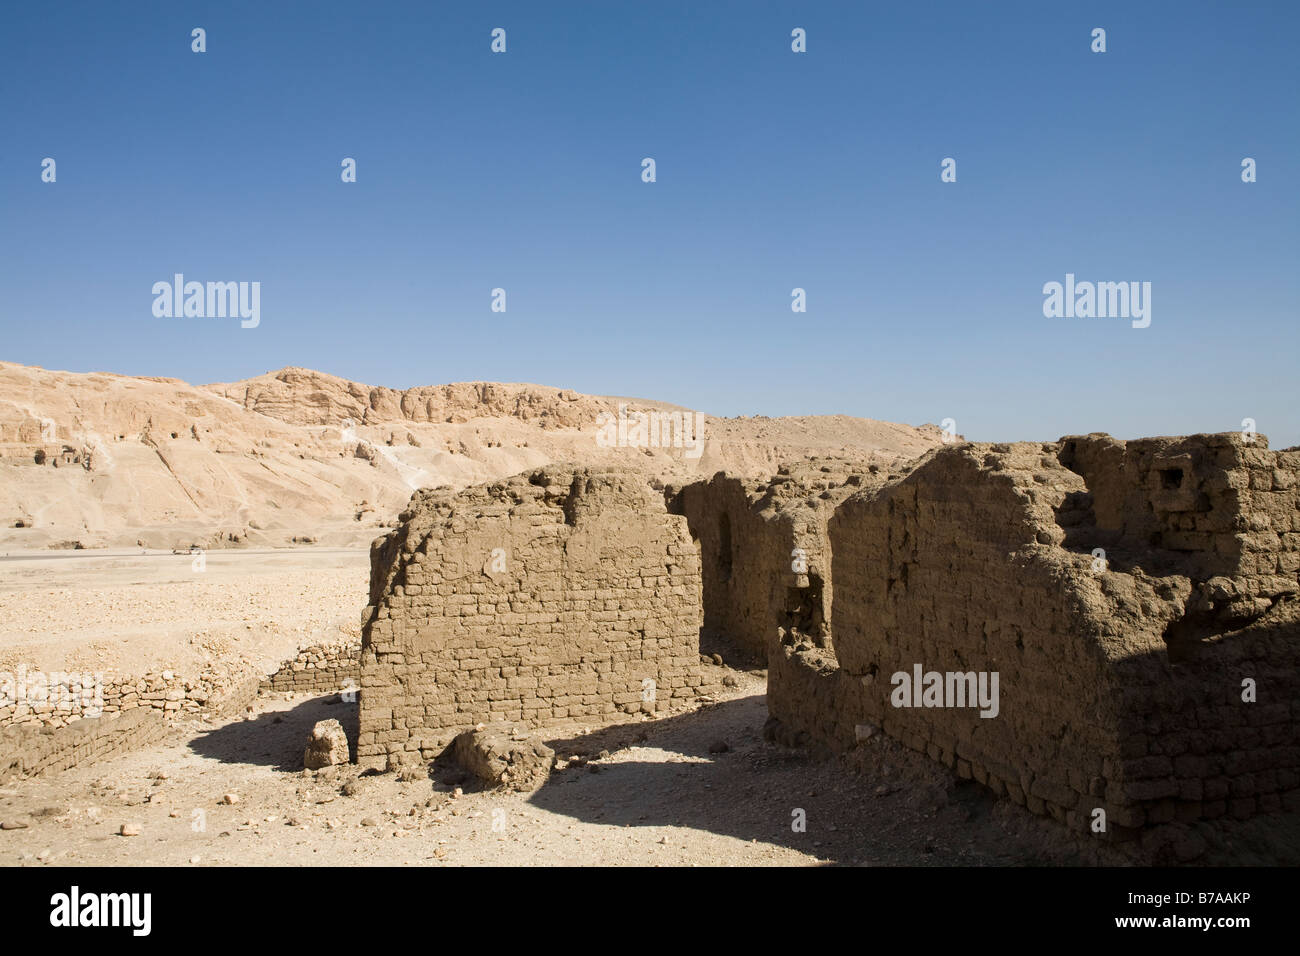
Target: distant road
(127, 553)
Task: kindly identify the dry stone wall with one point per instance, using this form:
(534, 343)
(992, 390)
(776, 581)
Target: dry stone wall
(53, 721)
(57, 700)
(556, 594)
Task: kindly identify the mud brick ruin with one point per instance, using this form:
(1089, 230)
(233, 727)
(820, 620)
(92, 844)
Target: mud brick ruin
(556, 594)
(1135, 600)
(764, 548)
(1127, 595)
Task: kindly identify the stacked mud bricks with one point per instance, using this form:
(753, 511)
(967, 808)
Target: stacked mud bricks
(553, 595)
(1137, 601)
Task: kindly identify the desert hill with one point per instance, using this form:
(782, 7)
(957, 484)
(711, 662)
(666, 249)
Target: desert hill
(303, 457)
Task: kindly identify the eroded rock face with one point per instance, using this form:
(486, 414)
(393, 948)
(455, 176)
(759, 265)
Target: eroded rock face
(112, 460)
(328, 746)
(303, 396)
(500, 757)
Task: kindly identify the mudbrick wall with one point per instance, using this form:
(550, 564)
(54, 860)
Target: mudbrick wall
(1134, 600)
(33, 749)
(765, 553)
(551, 595)
(319, 669)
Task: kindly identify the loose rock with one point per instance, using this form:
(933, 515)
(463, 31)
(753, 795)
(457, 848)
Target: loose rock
(328, 746)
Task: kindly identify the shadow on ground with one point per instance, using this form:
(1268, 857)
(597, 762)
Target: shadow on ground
(277, 739)
(711, 770)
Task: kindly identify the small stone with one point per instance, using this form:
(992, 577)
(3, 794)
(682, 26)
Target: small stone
(230, 799)
(719, 747)
(131, 829)
(195, 859)
(717, 659)
(14, 825)
(730, 681)
(369, 822)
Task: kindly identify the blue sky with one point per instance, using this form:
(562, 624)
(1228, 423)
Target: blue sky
(775, 170)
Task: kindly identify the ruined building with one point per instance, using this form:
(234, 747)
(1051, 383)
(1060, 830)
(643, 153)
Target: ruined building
(1082, 626)
(1135, 600)
(551, 595)
(764, 548)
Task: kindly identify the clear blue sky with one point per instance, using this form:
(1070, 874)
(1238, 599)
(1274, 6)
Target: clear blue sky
(775, 170)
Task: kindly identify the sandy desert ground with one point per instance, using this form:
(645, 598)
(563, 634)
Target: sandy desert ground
(127, 612)
(648, 793)
(659, 796)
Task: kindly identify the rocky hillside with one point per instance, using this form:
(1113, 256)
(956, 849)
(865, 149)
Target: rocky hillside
(302, 457)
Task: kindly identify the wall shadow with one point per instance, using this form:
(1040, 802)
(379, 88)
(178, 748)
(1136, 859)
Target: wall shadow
(755, 791)
(277, 739)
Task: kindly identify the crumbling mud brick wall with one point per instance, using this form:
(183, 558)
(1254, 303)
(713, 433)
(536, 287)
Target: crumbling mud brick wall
(328, 668)
(1224, 508)
(1120, 678)
(765, 553)
(31, 749)
(551, 595)
(1221, 513)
